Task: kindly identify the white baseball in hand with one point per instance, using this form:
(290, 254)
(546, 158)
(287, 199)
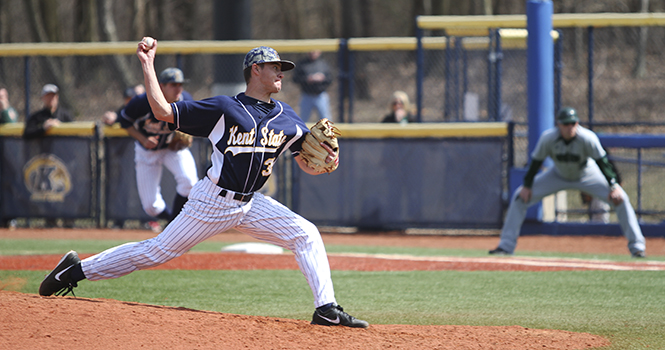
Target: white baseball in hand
(148, 42)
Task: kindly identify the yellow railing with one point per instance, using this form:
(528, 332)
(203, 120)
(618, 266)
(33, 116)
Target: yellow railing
(513, 38)
(454, 25)
(418, 130)
(65, 129)
(354, 130)
(561, 20)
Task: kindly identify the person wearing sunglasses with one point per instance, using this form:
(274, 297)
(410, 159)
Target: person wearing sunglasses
(580, 163)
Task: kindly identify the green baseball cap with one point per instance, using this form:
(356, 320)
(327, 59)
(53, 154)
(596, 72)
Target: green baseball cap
(567, 115)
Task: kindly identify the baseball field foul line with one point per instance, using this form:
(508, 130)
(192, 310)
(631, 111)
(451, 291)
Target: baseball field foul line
(542, 262)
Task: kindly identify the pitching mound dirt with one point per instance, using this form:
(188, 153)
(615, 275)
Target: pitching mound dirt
(33, 322)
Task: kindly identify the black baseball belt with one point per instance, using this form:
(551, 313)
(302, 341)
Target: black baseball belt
(243, 197)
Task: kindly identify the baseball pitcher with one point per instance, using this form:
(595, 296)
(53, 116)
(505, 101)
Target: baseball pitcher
(248, 132)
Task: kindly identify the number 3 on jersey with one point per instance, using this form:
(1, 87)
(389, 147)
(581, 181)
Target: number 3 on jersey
(268, 163)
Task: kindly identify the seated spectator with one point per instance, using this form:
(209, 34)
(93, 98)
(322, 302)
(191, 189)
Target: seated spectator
(8, 115)
(51, 115)
(7, 112)
(400, 109)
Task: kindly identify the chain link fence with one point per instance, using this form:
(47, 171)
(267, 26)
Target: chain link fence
(607, 66)
(367, 74)
(464, 79)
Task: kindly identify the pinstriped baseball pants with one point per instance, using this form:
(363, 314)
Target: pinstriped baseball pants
(207, 214)
(149, 174)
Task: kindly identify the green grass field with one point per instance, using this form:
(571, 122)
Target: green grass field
(626, 307)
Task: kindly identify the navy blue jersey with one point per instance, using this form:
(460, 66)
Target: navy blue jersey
(247, 137)
(137, 112)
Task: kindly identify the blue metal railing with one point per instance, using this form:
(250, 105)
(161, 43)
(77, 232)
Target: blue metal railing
(590, 81)
(558, 70)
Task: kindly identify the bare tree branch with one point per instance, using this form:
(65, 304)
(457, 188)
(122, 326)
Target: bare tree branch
(640, 70)
(53, 64)
(139, 18)
(366, 18)
(111, 33)
(488, 7)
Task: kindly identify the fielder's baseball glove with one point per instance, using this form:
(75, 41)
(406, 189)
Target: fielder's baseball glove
(180, 141)
(314, 155)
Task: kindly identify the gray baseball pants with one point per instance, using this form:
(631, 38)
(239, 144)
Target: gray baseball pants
(593, 182)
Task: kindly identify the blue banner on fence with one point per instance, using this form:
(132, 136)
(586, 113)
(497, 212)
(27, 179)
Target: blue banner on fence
(408, 183)
(50, 177)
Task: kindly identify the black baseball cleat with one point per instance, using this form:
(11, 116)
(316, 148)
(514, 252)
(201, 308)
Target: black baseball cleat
(499, 251)
(335, 316)
(638, 254)
(59, 281)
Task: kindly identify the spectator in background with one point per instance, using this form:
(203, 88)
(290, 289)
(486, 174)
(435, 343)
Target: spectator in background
(400, 109)
(8, 113)
(313, 75)
(38, 123)
(51, 115)
(110, 117)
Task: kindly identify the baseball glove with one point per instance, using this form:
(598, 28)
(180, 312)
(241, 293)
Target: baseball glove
(180, 141)
(314, 155)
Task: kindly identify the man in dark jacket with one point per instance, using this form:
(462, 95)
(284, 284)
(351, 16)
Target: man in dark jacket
(314, 77)
(51, 115)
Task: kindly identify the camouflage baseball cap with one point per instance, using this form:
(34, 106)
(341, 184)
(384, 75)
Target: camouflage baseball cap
(264, 54)
(172, 75)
